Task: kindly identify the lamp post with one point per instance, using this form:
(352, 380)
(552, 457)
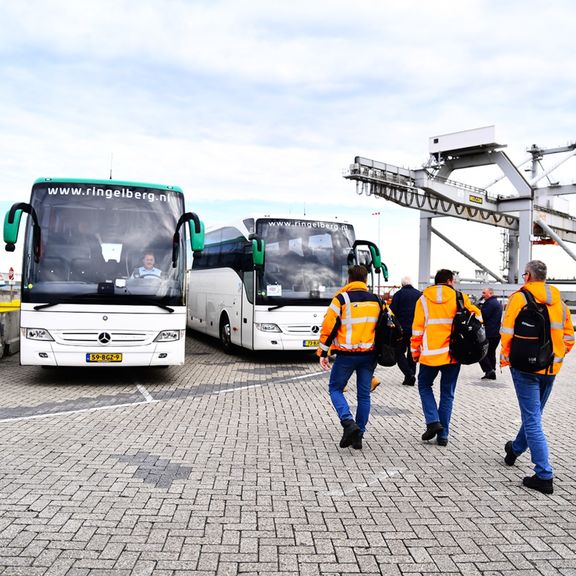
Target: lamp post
(378, 214)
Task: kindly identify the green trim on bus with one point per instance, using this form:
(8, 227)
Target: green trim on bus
(107, 182)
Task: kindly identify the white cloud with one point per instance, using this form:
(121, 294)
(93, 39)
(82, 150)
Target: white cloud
(269, 101)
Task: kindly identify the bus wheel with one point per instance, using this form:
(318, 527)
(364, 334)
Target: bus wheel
(226, 334)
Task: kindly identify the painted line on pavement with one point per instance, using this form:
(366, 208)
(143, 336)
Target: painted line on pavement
(227, 390)
(145, 393)
(80, 411)
(240, 388)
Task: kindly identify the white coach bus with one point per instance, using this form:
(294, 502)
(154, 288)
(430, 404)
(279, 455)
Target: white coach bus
(265, 283)
(103, 273)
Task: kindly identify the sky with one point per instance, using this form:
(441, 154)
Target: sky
(260, 105)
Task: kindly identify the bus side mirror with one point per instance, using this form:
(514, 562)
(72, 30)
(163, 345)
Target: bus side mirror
(377, 260)
(257, 251)
(12, 226)
(196, 227)
(196, 235)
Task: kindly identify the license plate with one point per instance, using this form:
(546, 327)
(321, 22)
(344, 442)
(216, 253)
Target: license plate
(310, 343)
(104, 357)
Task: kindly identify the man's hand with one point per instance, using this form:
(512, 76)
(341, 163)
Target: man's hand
(325, 363)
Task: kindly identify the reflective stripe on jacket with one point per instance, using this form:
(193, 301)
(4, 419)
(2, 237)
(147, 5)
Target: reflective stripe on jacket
(350, 321)
(432, 326)
(561, 328)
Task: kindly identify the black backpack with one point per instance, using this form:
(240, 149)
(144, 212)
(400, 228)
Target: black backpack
(531, 348)
(388, 337)
(468, 342)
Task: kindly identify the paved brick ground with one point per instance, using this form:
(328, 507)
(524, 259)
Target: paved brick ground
(230, 465)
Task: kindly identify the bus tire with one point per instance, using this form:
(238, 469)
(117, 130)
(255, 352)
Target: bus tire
(226, 334)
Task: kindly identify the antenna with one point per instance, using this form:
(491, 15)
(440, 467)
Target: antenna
(111, 163)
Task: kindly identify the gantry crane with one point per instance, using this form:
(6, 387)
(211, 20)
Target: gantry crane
(528, 211)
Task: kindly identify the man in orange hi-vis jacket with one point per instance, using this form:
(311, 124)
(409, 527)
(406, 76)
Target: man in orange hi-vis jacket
(533, 388)
(349, 329)
(429, 345)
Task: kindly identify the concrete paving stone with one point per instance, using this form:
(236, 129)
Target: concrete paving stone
(126, 560)
(291, 487)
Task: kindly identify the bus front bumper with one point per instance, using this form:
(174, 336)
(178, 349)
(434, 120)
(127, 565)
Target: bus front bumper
(54, 354)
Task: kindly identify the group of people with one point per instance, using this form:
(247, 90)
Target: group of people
(426, 318)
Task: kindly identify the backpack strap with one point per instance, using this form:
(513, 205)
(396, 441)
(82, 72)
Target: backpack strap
(459, 300)
(530, 300)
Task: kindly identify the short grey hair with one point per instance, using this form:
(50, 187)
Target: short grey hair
(406, 280)
(537, 270)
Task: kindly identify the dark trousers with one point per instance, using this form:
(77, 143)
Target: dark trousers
(404, 358)
(488, 363)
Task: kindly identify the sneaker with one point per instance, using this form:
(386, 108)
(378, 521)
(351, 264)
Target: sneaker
(374, 384)
(510, 457)
(351, 431)
(539, 484)
(431, 430)
(409, 381)
(357, 442)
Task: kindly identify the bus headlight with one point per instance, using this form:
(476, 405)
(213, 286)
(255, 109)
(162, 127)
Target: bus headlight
(168, 336)
(267, 327)
(38, 334)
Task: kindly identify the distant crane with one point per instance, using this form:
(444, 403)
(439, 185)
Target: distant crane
(530, 211)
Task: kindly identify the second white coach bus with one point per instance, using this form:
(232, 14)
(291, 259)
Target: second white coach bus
(264, 283)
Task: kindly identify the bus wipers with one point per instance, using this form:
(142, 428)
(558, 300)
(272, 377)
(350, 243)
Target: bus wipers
(75, 297)
(276, 307)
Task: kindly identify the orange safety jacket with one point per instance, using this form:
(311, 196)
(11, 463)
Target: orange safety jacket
(561, 328)
(432, 326)
(350, 322)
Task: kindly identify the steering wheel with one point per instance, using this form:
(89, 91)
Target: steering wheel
(150, 277)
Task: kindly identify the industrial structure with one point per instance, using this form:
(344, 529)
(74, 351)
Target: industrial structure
(529, 213)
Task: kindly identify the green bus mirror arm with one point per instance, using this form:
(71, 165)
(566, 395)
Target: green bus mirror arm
(257, 251)
(385, 272)
(12, 225)
(196, 233)
(374, 252)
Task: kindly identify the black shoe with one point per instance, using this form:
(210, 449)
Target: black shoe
(489, 375)
(510, 457)
(409, 381)
(431, 430)
(357, 442)
(544, 486)
(442, 441)
(351, 431)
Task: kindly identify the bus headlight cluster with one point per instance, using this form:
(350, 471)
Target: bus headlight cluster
(267, 327)
(168, 336)
(38, 334)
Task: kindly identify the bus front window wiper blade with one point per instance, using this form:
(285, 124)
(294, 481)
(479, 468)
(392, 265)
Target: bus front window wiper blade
(276, 307)
(75, 297)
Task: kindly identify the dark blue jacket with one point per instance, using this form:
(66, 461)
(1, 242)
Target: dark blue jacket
(403, 304)
(492, 315)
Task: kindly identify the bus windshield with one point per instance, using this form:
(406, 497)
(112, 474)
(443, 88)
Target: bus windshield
(305, 260)
(104, 244)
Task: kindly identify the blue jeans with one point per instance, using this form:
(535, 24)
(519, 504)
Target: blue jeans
(441, 412)
(364, 364)
(533, 391)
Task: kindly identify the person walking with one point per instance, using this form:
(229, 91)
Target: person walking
(492, 316)
(403, 305)
(533, 389)
(349, 328)
(433, 316)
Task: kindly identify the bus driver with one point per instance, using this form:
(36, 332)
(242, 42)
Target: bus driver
(147, 270)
